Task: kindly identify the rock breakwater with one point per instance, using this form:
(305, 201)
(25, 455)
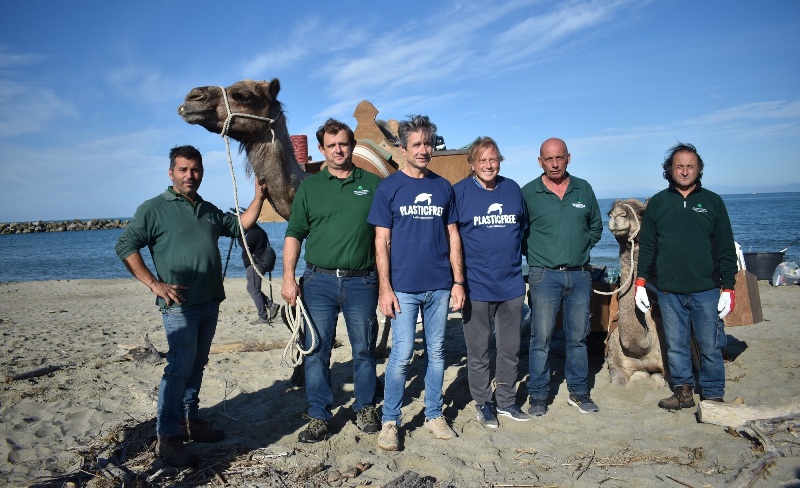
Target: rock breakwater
(61, 226)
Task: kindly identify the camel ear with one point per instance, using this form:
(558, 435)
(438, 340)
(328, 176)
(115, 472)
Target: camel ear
(274, 88)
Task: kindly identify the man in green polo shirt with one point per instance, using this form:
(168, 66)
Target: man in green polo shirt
(564, 224)
(181, 231)
(330, 211)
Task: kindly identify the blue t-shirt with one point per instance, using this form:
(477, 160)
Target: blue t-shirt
(417, 210)
(492, 224)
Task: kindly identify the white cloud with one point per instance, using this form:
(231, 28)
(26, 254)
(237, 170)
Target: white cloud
(29, 108)
(773, 110)
(309, 38)
(145, 85)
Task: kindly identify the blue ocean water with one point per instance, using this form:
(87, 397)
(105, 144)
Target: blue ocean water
(761, 222)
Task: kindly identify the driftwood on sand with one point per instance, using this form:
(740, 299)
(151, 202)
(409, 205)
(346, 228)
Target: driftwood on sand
(758, 423)
(34, 373)
(762, 431)
(736, 414)
(146, 351)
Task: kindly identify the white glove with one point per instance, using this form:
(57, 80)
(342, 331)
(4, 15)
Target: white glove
(642, 302)
(726, 302)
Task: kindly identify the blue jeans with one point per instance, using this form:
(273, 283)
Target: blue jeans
(189, 330)
(324, 296)
(434, 305)
(694, 313)
(550, 291)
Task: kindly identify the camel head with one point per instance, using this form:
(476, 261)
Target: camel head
(625, 217)
(205, 106)
(264, 137)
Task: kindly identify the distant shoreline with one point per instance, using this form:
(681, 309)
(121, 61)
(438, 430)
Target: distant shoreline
(62, 225)
(3, 225)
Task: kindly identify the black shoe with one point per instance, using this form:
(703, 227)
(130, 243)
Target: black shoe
(367, 420)
(174, 453)
(315, 431)
(538, 407)
(711, 399)
(199, 430)
(583, 402)
(486, 416)
(273, 311)
(513, 412)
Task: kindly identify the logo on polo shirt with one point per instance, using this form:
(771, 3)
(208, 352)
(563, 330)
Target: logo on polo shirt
(699, 208)
(491, 220)
(361, 191)
(578, 204)
(427, 211)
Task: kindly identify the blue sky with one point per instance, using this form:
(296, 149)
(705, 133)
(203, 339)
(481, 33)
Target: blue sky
(90, 89)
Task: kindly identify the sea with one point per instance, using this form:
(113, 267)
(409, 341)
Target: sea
(763, 222)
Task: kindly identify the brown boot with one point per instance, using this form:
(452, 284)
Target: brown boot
(682, 398)
(200, 430)
(174, 453)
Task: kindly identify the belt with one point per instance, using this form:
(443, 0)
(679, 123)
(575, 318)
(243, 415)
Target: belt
(585, 267)
(342, 273)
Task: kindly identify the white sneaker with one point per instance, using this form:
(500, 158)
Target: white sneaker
(389, 438)
(440, 428)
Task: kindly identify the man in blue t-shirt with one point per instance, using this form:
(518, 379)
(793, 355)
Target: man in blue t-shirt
(492, 218)
(414, 210)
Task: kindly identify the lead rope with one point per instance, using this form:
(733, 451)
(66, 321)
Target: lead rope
(293, 352)
(633, 251)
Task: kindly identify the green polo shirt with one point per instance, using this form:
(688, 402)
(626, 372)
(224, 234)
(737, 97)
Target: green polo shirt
(182, 239)
(561, 232)
(331, 215)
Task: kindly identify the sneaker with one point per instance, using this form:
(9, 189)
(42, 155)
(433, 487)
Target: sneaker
(315, 431)
(199, 430)
(273, 311)
(174, 452)
(583, 402)
(389, 438)
(440, 428)
(260, 321)
(485, 415)
(367, 420)
(514, 413)
(538, 407)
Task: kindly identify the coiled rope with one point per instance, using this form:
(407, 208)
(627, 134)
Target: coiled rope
(295, 317)
(631, 239)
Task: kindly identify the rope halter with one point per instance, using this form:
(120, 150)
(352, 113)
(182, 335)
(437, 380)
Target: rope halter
(293, 352)
(227, 124)
(631, 239)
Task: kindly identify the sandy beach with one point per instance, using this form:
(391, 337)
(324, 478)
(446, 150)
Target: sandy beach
(97, 407)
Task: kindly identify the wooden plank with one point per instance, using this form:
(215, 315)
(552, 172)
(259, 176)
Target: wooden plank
(747, 310)
(736, 414)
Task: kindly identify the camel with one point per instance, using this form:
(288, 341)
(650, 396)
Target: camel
(635, 346)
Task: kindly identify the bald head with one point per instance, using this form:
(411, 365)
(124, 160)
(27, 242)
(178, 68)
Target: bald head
(553, 144)
(554, 158)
